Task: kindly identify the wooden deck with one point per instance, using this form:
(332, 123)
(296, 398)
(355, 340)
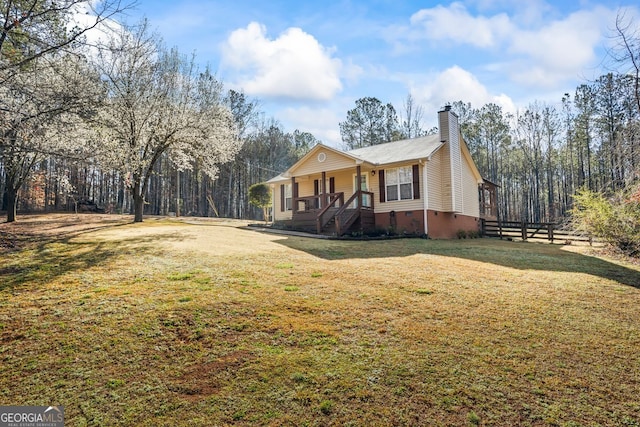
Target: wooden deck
(331, 214)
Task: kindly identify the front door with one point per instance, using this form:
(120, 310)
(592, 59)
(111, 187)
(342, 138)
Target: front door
(366, 198)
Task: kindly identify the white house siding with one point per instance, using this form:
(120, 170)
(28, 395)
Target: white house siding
(333, 161)
(445, 179)
(434, 181)
(456, 169)
(471, 204)
(305, 186)
(400, 205)
(279, 215)
(343, 181)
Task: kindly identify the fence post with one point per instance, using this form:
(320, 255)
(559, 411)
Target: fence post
(550, 232)
(524, 231)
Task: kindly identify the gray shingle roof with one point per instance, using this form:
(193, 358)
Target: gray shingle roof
(387, 153)
(399, 151)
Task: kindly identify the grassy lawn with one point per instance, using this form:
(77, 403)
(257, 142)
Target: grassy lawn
(207, 323)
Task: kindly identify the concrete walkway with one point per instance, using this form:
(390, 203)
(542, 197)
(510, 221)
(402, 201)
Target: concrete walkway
(286, 232)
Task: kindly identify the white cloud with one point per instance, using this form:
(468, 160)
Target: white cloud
(83, 16)
(294, 65)
(457, 84)
(456, 24)
(560, 50)
(536, 47)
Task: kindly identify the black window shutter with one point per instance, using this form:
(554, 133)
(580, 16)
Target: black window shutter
(416, 182)
(332, 185)
(282, 198)
(381, 185)
(316, 187)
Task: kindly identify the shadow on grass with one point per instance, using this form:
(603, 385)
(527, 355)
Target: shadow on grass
(518, 255)
(47, 261)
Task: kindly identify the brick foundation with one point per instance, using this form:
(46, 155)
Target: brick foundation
(442, 225)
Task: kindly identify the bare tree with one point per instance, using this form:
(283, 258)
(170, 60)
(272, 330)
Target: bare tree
(32, 29)
(627, 51)
(411, 124)
(159, 102)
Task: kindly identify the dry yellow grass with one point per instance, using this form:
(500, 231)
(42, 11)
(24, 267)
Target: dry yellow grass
(202, 322)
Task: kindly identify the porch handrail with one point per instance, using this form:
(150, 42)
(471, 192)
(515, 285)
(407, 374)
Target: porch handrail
(317, 197)
(333, 198)
(356, 212)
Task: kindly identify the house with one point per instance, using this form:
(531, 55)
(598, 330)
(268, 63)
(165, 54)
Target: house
(423, 186)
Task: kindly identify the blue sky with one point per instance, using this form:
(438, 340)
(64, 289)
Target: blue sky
(307, 62)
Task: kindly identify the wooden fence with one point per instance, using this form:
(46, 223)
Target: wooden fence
(530, 230)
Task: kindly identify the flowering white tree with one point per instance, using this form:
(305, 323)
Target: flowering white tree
(40, 111)
(159, 102)
(44, 84)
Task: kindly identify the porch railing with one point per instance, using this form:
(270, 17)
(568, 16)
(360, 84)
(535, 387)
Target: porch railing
(321, 220)
(311, 203)
(307, 210)
(345, 217)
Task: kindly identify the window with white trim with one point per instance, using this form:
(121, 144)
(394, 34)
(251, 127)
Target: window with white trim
(399, 183)
(288, 196)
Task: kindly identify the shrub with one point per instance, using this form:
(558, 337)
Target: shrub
(473, 234)
(260, 196)
(615, 219)
(462, 234)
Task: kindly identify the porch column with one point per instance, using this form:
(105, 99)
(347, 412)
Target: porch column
(426, 199)
(294, 195)
(323, 190)
(359, 185)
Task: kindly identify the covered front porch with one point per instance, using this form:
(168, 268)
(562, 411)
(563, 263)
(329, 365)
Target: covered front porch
(336, 205)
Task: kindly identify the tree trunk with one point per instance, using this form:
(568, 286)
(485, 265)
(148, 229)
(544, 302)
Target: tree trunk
(12, 203)
(138, 202)
(138, 207)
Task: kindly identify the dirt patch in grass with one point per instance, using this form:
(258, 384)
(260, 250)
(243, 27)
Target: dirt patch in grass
(200, 322)
(201, 380)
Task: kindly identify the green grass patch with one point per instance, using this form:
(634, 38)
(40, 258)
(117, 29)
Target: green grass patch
(113, 383)
(180, 276)
(285, 265)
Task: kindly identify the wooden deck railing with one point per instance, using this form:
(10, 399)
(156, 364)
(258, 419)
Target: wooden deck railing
(311, 203)
(345, 217)
(321, 221)
(308, 215)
